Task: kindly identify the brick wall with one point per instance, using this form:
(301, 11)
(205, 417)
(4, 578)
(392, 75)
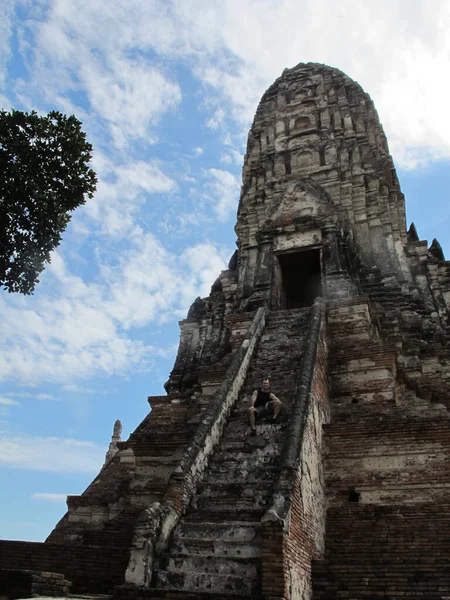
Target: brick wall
(394, 552)
(389, 455)
(23, 584)
(90, 569)
(386, 471)
(305, 539)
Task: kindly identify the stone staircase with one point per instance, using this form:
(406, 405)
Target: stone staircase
(216, 549)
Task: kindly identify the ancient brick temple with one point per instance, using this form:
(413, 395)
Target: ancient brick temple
(347, 494)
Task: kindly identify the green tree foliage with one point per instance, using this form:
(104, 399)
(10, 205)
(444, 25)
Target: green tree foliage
(44, 175)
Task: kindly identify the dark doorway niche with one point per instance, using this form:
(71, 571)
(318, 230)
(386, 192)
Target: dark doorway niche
(300, 278)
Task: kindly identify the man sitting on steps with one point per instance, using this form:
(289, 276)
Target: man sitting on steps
(263, 402)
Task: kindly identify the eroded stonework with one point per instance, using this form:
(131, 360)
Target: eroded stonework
(347, 495)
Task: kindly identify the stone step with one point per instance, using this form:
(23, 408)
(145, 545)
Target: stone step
(205, 582)
(217, 549)
(225, 474)
(236, 531)
(232, 504)
(283, 384)
(291, 327)
(277, 340)
(242, 491)
(246, 460)
(289, 315)
(186, 562)
(237, 439)
(240, 412)
(267, 363)
(280, 333)
(221, 515)
(282, 380)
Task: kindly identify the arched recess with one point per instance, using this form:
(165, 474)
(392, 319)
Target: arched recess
(307, 247)
(304, 123)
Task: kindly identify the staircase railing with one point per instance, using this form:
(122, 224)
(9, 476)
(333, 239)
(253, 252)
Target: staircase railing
(156, 524)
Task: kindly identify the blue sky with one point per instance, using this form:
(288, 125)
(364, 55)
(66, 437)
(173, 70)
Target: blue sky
(166, 91)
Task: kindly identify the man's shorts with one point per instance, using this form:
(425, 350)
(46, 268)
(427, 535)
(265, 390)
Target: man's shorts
(262, 411)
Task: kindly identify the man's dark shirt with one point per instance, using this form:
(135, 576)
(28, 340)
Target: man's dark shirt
(262, 398)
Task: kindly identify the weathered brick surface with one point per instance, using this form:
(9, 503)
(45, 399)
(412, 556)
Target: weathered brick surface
(105, 515)
(397, 552)
(25, 584)
(387, 473)
(95, 570)
(389, 455)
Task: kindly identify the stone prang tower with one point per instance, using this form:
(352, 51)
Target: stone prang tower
(347, 493)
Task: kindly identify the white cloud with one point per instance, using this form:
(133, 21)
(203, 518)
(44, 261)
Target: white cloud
(90, 49)
(77, 389)
(51, 454)
(49, 497)
(129, 95)
(45, 397)
(120, 55)
(75, 330)
(5, 50)
(30, 395)
(232, 156)
(347, 35)
(223, 188)
(8, 402)
(121, 191)
(216, 121)
(205, 263)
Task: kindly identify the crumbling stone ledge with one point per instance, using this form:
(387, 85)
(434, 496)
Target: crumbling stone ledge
(156, 524)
